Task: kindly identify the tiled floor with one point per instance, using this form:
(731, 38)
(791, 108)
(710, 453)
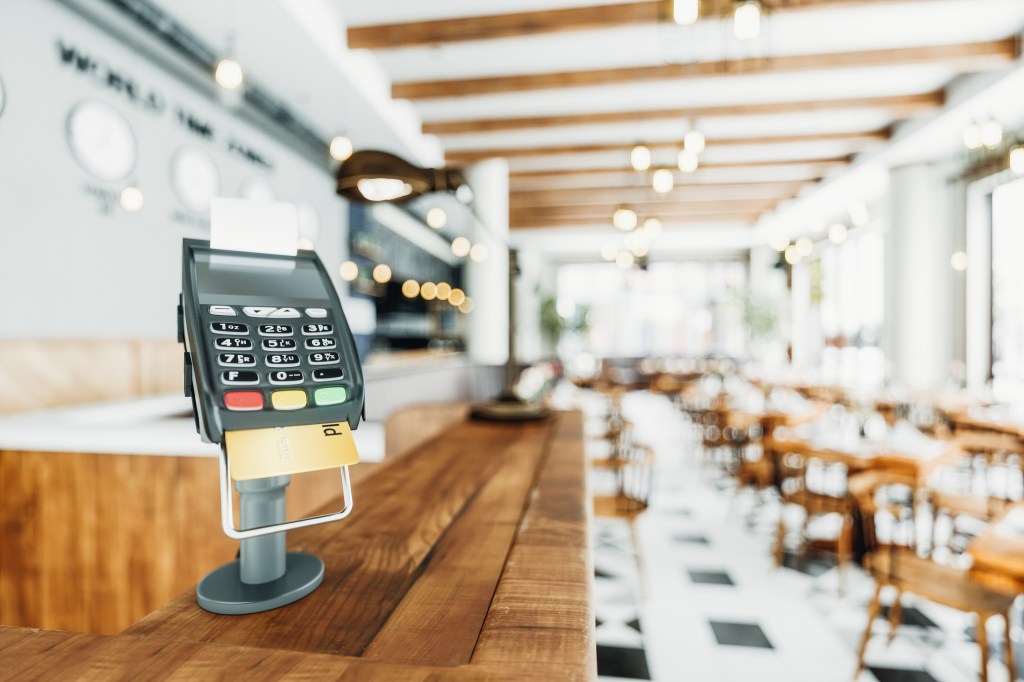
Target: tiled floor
(709, 605)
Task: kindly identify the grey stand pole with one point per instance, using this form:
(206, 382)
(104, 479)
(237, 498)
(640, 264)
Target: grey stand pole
(265, 576)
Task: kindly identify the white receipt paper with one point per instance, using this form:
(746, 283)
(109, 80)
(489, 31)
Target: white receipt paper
(255, 226)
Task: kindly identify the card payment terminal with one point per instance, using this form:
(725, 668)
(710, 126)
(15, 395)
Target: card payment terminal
(272, 369)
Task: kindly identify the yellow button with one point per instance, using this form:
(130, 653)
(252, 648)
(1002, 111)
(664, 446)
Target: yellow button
(288, 400)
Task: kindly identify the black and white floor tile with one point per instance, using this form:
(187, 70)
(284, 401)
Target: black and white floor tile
(709, 604)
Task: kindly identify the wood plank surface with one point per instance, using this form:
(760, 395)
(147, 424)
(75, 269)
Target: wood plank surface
(900, 106)
(964, 57)
(468, 558)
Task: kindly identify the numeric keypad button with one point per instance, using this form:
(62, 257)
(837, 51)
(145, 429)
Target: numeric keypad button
(321, 343)
(258, 311)
(236, 360)
(317, 329)
(234, 328)
(330, 374)
(232, 343)
(283, 360)
(285, 377)
(239, 378)
(276, 330)
(325, 358)
(278, 344)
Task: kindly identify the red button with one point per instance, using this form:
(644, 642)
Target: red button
(244, 400)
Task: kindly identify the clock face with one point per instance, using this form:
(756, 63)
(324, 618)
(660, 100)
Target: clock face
(258, 189)
(194, 178)
(101, 140)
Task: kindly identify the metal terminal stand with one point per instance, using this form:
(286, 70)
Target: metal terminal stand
(264, 576)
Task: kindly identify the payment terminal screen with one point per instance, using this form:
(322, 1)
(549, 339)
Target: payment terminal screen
(219, 276)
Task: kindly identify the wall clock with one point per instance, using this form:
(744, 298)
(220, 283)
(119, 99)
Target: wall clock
(194, 178)
(101, 140)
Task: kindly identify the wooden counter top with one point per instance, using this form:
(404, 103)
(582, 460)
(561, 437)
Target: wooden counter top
(467, 558)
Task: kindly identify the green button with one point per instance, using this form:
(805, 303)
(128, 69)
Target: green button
(330, 395)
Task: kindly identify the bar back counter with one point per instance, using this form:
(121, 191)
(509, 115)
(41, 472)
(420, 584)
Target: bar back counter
(465, 558)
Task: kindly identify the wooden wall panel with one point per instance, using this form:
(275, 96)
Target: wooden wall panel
(37, 374)
(92, 543)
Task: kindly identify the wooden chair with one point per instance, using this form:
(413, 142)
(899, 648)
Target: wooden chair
(819, 488)
(970, 489)
(899, 565)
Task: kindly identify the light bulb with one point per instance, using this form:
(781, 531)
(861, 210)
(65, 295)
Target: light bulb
(457, 297)
(746, 20)
(624, 218)
(991, 134)
(466, 306)
(383, 189)
(1017, 160)
(410, 288)
(688, 161)
(804, 246)
(663, 181)
(428, 291)
(608, 252)
(348, 271)
(625, 259)
(837, 233)
(461, 247)
(640, 158)
(381, 273)
(131, 199)
(685, 12)
(694, 141)
(652, 228)
(444, 290)
(437, 218)
(958, 261)
(478, 253)
(792, 254)
(228, 74)
(340, 148)
(972, 136)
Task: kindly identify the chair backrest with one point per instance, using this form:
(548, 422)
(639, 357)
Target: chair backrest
(885, 509)
(635, 477)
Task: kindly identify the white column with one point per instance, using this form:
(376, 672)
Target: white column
(487, 281)
(918, 337)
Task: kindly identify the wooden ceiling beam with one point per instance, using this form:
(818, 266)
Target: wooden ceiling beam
(825, 163)
(643, 208)
(964, 57)
(628, 195)
(860, 139)
(900, 106)
(669, 221)
(490, 27)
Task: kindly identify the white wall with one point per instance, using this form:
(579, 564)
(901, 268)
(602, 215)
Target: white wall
(69, 267)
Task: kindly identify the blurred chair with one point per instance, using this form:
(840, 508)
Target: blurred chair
(975, 490)
(892, 558)
(819, 487)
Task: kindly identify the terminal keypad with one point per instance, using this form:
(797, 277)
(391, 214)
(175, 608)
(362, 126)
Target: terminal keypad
(273, 360)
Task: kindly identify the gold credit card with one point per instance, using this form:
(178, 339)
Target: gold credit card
(261, 453)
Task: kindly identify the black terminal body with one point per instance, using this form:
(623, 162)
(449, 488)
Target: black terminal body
(266, 342)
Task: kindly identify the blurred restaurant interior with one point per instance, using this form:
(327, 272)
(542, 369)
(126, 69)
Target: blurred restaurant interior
(691, 336)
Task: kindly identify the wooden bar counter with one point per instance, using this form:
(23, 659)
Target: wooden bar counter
(468, 558)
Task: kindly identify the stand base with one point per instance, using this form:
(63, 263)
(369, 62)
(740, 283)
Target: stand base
(222, 590)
